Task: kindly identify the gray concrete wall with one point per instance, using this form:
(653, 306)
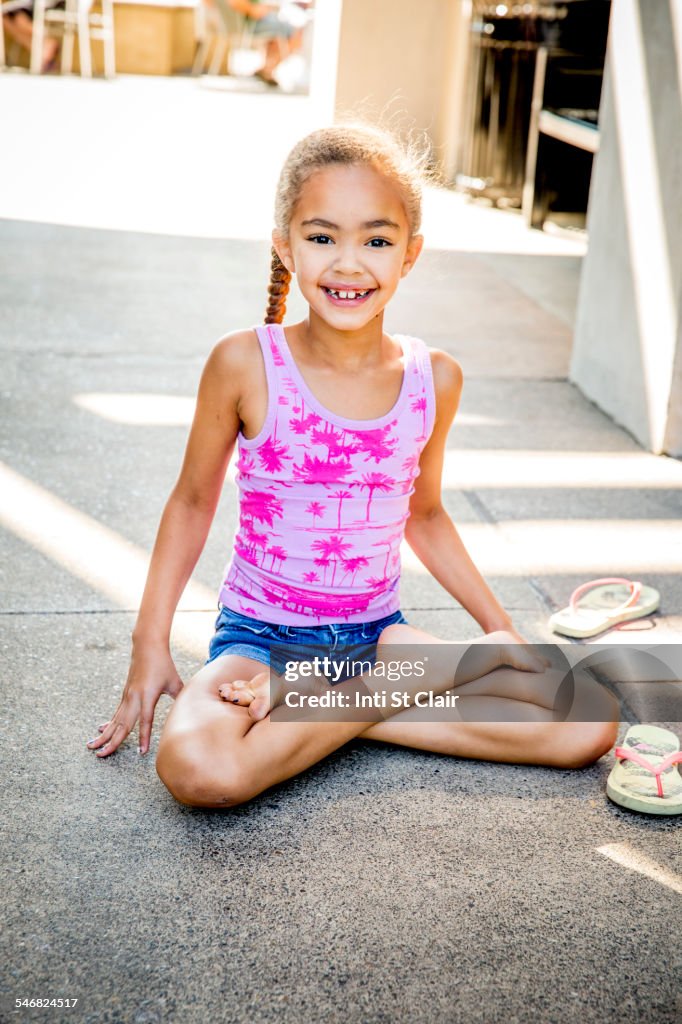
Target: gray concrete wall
(627, 355)
(407, 52)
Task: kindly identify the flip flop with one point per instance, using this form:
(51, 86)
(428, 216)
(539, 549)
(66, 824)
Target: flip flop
(645, 777)
(601, 604)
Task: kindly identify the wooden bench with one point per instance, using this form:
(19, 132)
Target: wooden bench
(156, 37)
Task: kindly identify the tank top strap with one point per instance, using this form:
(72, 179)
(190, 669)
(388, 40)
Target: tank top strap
(421, 383)
(274, 367)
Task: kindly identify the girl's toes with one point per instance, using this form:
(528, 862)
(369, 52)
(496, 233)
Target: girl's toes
(236, 693)
(229, 693)
(260, 707)
(262, 702)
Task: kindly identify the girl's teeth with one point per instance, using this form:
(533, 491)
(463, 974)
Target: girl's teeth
(346, 295)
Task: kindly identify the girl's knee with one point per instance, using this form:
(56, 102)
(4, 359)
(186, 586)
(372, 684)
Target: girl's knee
(583, 743)
(196, 778)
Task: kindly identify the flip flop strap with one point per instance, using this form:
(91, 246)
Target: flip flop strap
(623, 753)
(634, 585)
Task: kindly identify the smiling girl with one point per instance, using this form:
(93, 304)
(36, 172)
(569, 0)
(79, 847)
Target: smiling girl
(341, 431)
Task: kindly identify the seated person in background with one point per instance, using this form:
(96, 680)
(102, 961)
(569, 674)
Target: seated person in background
(18, 25)
(269, 19)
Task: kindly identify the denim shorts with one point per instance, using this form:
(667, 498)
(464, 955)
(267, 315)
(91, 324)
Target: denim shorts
(352, 641)
(272, 25)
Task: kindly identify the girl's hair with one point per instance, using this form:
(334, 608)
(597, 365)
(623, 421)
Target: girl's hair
(350, 144)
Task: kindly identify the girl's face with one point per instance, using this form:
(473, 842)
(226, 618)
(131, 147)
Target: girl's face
(349, 244)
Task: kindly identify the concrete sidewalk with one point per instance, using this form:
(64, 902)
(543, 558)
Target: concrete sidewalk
(384, 885)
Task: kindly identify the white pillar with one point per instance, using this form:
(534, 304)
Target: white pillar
(627, 355)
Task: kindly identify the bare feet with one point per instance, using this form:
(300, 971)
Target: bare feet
(253, 694)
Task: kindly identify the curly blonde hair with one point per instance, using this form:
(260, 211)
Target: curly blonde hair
(349, 144)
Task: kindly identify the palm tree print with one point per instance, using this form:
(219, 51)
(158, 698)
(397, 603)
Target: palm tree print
(278, 554)
(311, 577)
(261, 505)
(341, 497)
(316, 510)
(319, 471)
(353, 566)
(388, 544)
(276, 354)
(376, 443)
(332, 548)
(375, 482)
(330, 438)
(323, 564)
(245, 464)
(410, 464)
(272, 453)
(375, 583)
(419, 405)
(305, 424)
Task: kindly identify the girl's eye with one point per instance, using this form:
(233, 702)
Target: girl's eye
(378, 243)
(321, 239)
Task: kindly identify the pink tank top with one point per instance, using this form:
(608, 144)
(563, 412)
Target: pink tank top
(323, 500)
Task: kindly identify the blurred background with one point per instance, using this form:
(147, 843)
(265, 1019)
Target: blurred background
(193, 104)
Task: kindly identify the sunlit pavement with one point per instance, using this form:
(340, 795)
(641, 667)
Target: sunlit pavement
(384, 885)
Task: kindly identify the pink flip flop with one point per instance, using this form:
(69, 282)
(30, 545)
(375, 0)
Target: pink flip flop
(601, 604)
(645, 777)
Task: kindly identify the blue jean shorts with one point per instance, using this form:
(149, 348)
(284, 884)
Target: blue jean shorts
(272, 25)
(239, 634)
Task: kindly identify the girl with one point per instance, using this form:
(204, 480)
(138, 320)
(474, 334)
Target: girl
(341, 433)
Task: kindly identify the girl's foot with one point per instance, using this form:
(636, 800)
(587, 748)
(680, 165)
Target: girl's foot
(253, 694)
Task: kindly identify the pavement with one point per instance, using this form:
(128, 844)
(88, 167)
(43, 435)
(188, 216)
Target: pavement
(383, 885)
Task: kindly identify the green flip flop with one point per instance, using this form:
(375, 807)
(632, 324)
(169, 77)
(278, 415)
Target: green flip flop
(601, 604)
(645, 777)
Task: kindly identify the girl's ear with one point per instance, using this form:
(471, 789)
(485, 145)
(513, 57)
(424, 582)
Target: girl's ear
(281, 246)
(414, 247)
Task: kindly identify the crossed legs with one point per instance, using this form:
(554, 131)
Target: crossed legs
(213, 754)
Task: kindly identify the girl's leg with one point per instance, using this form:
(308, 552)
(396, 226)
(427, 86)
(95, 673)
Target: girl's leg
(213, 754)
(507, 716)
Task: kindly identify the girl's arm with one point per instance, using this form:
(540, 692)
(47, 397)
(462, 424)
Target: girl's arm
(181, 536)
(191, 506)
(430, 531)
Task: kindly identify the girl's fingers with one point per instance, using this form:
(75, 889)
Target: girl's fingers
(114, 732)
(145, 730)
(110, 740)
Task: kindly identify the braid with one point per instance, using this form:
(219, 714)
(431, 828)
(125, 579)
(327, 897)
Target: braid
(278, 289)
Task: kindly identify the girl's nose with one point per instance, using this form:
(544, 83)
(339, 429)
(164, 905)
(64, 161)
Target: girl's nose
(347, 260)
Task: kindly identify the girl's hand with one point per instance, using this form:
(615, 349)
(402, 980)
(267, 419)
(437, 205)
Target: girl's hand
(151, 673)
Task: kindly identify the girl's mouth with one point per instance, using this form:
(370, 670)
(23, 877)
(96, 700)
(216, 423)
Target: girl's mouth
(348, 297)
